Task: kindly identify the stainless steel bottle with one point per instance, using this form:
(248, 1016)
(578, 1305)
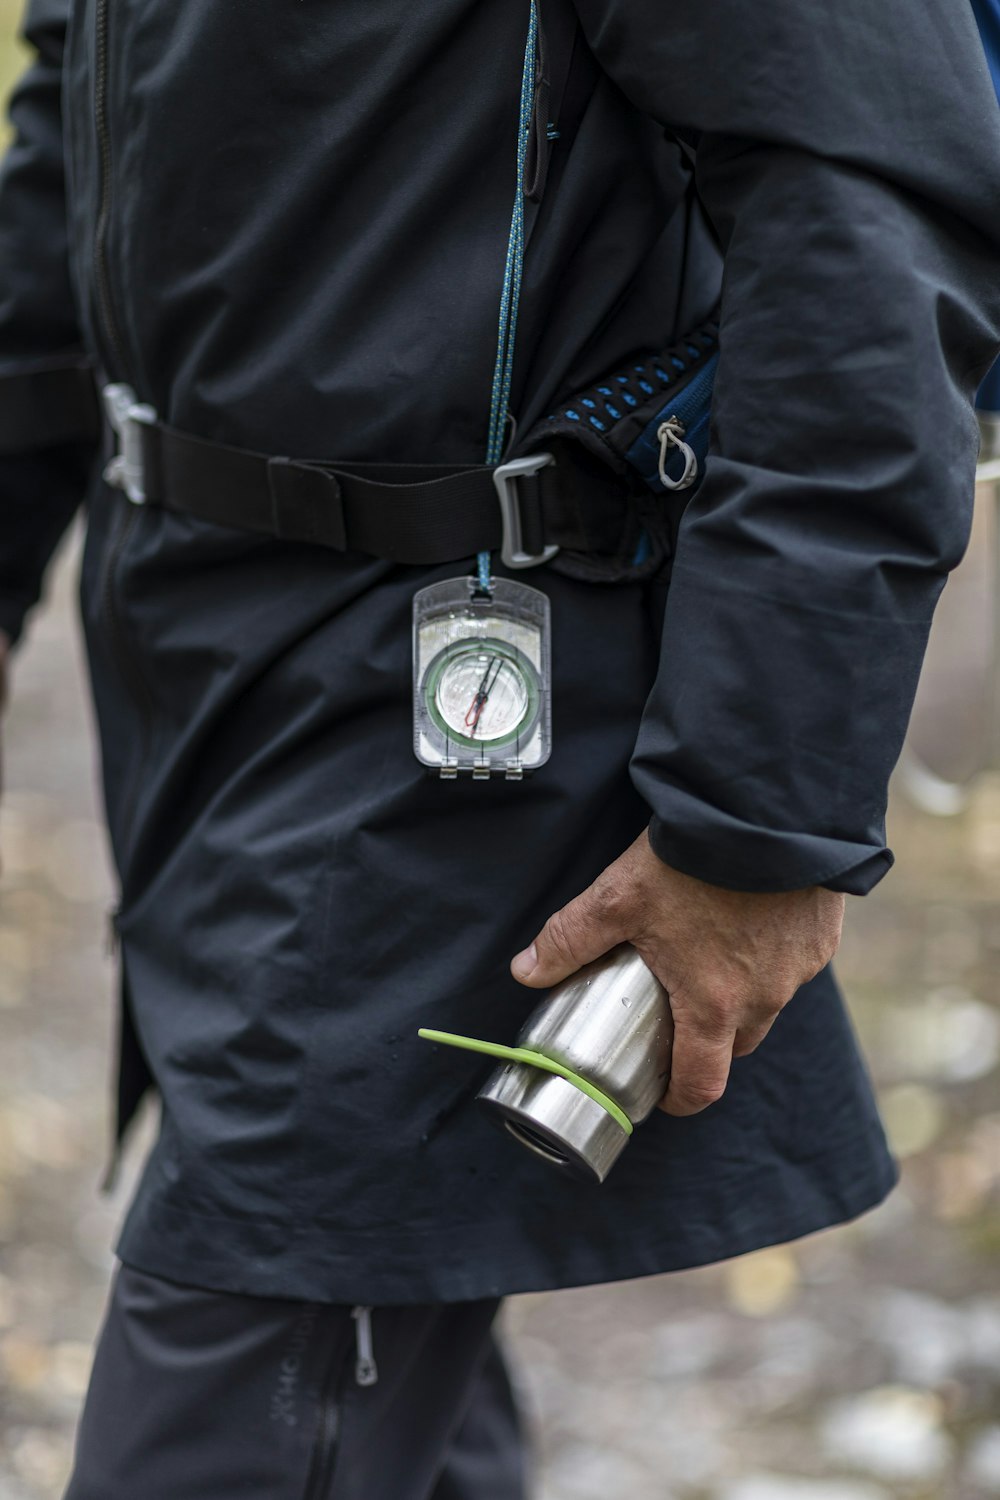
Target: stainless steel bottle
(611, 1024)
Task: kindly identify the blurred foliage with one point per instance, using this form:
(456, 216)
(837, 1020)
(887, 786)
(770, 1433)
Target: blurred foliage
(13, 54)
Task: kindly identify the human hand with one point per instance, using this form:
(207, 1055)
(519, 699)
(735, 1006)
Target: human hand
(729, 960)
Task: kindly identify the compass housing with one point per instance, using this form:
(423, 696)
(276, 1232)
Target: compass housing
(481, 678)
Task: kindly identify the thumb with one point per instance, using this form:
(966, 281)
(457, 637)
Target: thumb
(572, 937)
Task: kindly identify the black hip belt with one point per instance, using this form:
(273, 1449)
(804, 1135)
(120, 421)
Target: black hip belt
(617, 465)
(526, 509)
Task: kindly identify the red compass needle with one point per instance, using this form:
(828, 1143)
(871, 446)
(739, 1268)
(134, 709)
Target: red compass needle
(482, 693)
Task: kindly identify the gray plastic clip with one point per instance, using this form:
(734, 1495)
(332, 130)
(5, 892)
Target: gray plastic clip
(126, 415)
(505, 478)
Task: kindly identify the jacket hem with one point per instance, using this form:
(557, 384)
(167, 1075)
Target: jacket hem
(455, 1263)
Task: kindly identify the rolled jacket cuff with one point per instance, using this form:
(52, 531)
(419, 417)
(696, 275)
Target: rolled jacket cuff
(715, 847)
(48, 402)
(40, 491)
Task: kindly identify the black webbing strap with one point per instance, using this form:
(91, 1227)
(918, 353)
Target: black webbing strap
(408, 513)
(48, 402)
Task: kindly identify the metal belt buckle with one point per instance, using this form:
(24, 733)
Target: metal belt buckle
(505, 478)
(127, 416)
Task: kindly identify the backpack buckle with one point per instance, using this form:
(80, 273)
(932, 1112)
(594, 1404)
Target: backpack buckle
(127, 417)
(506, 480)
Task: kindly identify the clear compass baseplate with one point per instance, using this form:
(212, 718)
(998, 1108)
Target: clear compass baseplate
(481, 679)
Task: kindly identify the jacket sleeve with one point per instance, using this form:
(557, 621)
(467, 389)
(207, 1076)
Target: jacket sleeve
(47, 410)
(849, 158)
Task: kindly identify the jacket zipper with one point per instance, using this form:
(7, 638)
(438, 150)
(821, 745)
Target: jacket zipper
(692, 400)
(114, 343)
(321, 1471)
(128, 667)
(114, 351)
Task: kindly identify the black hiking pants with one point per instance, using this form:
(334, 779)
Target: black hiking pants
(199, 1395)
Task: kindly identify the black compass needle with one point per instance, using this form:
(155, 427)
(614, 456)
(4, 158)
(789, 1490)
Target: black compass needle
(482, 693)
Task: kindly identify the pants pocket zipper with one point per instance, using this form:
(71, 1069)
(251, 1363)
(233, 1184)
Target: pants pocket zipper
(328, 1433)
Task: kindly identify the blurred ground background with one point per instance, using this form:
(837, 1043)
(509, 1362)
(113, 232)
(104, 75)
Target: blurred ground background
(860, 1364)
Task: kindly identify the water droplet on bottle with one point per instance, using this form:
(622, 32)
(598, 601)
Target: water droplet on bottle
(626, 1001)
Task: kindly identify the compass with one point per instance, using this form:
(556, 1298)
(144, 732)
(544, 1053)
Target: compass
(482, 693)
(481, 679)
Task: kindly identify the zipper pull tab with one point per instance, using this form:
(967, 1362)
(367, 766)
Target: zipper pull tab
(365, 1368)
(671, 435)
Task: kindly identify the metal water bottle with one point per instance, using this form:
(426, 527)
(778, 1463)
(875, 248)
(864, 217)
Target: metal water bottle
(610, 1025)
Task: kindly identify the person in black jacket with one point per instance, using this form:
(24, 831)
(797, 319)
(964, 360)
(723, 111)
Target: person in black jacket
(285, 231)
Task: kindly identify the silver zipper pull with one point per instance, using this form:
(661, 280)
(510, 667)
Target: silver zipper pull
(365, 1368)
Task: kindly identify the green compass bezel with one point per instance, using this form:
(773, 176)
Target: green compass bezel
(436, 668)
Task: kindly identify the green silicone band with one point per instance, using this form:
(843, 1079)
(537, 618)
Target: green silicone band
(535, 1060)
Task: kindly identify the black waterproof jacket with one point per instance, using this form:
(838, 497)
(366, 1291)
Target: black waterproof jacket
(285, 227)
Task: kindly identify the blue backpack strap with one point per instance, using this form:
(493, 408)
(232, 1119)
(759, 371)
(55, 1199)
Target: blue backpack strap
(987, 13)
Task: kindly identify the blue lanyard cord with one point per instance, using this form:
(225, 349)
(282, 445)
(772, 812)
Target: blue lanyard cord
(510, 296)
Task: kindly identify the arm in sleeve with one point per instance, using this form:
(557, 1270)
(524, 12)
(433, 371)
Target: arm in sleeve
(47, 430)
(849, 158)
